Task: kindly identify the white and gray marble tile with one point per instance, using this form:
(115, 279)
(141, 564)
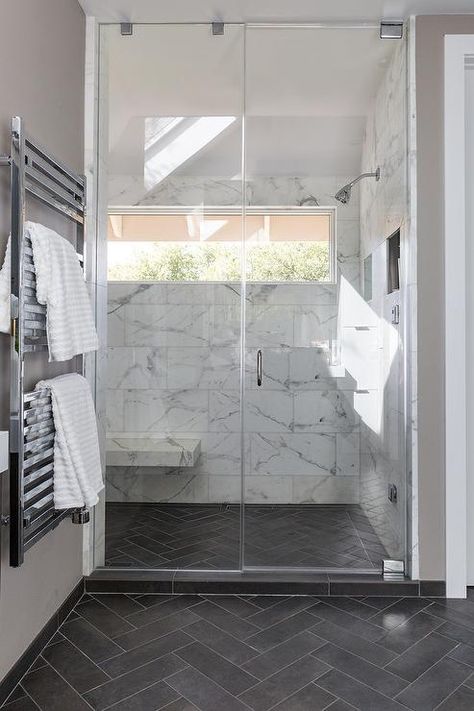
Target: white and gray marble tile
(267, 489)
(348, 454)
(144, 484)
(314, 325)
(288, 293)
(325, 490)
(115, 411)
(167, 325)
(165, 411)
(203, 368)
(310, 369)
(275, 369)
(136, 367)
(324, 411)
(269, 326)
(288, 454)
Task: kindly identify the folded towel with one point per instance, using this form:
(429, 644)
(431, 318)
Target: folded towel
(77, 469)
(5, 289)
(61, 288)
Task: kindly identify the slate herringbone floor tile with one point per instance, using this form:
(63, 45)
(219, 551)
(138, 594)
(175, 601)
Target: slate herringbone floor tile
(195, 536)
(263, 653)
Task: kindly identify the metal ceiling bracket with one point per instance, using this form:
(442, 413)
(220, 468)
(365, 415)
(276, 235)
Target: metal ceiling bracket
(217, 28)
(391, 29)
(126, 29)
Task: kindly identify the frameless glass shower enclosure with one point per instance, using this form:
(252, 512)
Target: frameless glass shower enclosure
(254, 372)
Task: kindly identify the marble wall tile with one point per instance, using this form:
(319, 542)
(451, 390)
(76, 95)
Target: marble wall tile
(203, 368)
(288, 293)
(225, 324)
(165, 411)
(288, 454)
(224, 411)
(269, 326)
(325, 490)
(115, 326)
(361, 352)
(223, 456)
(324, 411)
(348, 454)
(310, 369)
(137, 367)
(268, 411)
(268, 489)
(115, 411)
(225, 489)
(188, 293)
(167, 325)
(314, 325)
(129, 293)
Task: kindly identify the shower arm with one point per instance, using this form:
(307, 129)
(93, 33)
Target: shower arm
(375, 174)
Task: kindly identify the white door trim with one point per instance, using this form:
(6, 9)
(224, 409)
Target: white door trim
(457, 48)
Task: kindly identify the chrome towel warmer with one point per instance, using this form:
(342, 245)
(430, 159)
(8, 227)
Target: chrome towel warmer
(34, 172)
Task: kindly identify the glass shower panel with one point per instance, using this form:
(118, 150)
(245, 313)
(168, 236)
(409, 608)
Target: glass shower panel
(322, 398)
(174, 97)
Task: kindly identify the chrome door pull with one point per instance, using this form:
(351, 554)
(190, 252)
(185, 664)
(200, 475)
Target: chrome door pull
(259, 367)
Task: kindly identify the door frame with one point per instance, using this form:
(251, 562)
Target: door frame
(457, 49)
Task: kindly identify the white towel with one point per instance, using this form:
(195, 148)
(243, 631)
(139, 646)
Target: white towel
(5, 289)
(77, 469)
(61, 288)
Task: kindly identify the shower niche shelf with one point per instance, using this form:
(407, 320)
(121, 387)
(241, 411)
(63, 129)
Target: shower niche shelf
(127, 450)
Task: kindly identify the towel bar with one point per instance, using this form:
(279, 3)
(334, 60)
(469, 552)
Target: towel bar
(35, 173)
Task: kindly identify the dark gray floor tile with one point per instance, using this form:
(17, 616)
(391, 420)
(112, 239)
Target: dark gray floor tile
(132, 682)
(146, 653)
(310, 698)
(346, 621)
(379, 679)
(157, 612)
(149, 544)
(421, 656)
(379, 603)
(203, 692)
(462, 653)
(181, 705)
(461, 700)
(360, 695)
(284, 683)
(340, 705)
(232, 649)
(457, 632)
(77, 669)
(400, 612)
(348, 604)
(283, 654)
(90, 641)
(231, 677)
(150, 600)
(120, 604)
(402, 637)
(282, 631)
(234, 604)
(225, 620)
(432, 687)
(51, 693)
(155, 697)
(370, 651)
(130, 640)
(265, 601)
(281, 611)
(104, 619)
(22, 704)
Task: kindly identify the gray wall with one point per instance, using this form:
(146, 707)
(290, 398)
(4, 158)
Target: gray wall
(430, 32)
(42, 80)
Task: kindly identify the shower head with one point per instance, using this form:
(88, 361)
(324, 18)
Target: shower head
(344, 194)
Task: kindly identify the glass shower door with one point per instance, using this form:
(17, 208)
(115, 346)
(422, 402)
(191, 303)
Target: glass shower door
(171, 102)
(319, 430)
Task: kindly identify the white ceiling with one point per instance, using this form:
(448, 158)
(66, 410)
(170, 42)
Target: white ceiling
(267, 10)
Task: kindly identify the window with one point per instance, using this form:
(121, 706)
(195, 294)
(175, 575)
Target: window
(193, 244)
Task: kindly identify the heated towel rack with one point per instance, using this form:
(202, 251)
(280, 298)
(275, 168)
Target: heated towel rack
(34, 172)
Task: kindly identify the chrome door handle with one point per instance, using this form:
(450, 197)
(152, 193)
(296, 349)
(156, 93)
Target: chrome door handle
(259, 367)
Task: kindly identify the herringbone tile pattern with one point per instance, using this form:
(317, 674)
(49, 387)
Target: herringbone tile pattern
(207, 536)
(231, 653)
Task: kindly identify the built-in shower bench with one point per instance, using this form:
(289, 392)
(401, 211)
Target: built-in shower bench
(127, 450)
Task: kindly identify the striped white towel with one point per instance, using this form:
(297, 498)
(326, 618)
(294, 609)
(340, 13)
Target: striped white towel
(77, 469)
(60, 286)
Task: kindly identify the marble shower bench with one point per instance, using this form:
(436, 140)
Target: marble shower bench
(125, 450)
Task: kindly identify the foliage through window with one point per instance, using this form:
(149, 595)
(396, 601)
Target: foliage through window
(188, 246)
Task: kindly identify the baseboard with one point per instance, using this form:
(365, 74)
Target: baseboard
(19, 669)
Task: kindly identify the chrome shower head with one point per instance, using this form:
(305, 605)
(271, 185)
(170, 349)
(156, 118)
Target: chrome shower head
(344, 194)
